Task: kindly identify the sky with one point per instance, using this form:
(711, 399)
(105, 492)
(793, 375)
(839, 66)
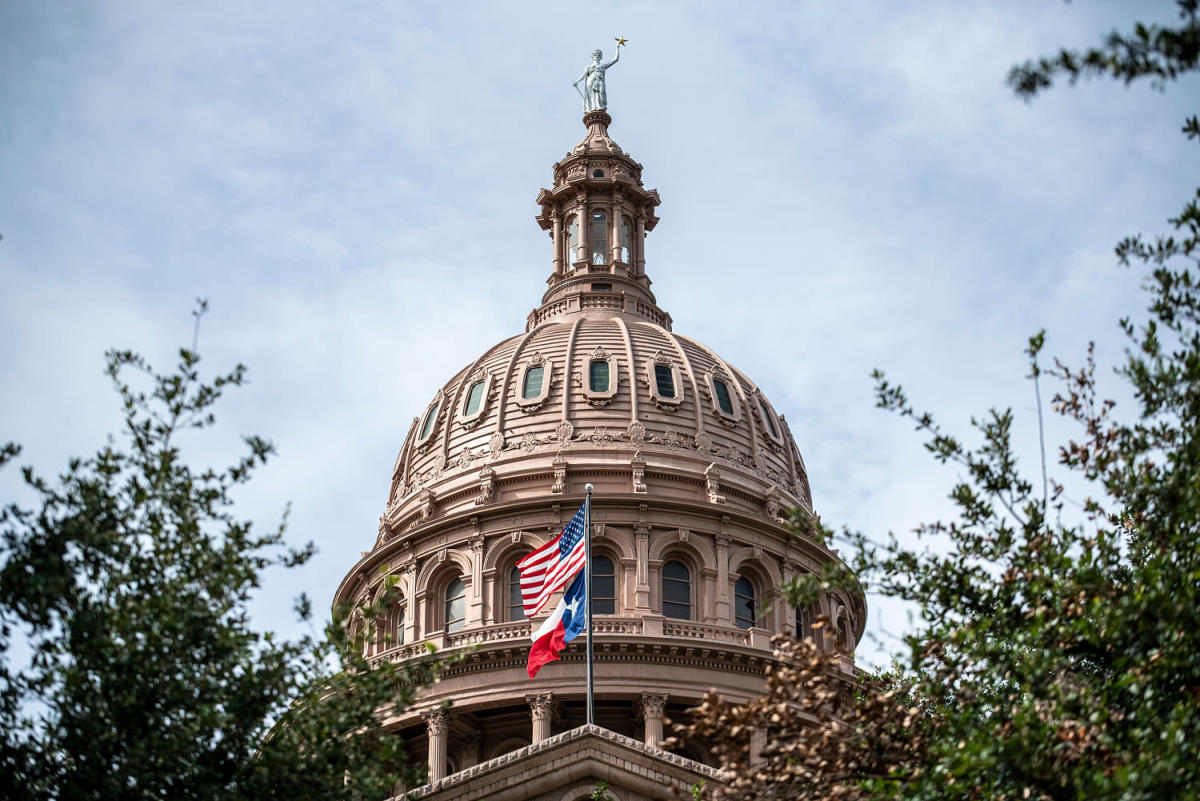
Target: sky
(845, 186)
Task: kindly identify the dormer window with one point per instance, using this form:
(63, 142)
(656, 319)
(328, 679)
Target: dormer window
(722, 392)
(601, 379)
(664, 379)
(769, 419)
(599, 238)
(598, 376)
(534, 381)
(428, 423)
(531, 387)
(474, 399)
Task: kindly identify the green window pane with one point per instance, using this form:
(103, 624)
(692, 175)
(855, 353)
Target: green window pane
(770, 420)
(664, 377)
(430, 419)
(474, 398)
(743, 603)
(598, 376)
(533, 382)
(723, 399)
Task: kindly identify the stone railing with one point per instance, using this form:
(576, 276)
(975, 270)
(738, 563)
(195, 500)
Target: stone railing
(604, 625)
(701, 631)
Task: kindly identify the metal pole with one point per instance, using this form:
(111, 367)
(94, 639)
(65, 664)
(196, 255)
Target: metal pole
(587, 578)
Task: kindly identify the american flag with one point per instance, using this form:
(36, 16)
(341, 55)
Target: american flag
(553, 565)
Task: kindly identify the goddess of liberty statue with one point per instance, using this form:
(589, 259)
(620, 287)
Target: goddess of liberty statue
(595, 97)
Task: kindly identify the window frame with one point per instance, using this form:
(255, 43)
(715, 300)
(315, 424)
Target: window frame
(771, 425)
(534, 403)
(660, 359)
(616, 580)
(430, 418)
(662, 587)
(599, 354)
(754, 619)
(447, 600)
(713, 375)
(469, 419)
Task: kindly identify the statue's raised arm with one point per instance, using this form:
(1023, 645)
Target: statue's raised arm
(616, 58)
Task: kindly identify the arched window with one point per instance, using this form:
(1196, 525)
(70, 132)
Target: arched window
(516, 605)
(722, 393)
(573, 253)
(533, 382)
(604, 586)
(456, 605)
(430, 419)
(394, 633)
(676, 590)
(598, 375)
(743, 603)
(599, 238)
(806, 616)
(474, 398)
(626, 239)
(664, 378)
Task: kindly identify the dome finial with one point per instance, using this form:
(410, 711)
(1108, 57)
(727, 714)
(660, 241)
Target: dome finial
(594, 91)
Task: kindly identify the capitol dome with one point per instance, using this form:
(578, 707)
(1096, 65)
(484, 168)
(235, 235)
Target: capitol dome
(693, 469)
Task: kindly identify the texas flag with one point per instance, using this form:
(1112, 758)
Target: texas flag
(565, 623)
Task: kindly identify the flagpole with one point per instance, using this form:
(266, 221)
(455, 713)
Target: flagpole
(587, 586)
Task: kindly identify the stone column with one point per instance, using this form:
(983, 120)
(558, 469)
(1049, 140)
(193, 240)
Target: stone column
(641, 592)
(614, 234)
(585, 232)
(475, 591)
(541, 705)
(653, 705)
(758, 742)
(724, 614)
(557, 237)
(437, 722)
(638, 245)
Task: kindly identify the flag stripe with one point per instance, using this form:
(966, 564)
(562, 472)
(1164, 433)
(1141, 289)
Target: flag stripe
(551, 566)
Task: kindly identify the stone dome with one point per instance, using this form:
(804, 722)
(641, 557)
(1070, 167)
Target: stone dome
(693, 469)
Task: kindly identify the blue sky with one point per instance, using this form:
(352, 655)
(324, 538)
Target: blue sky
(845, 186)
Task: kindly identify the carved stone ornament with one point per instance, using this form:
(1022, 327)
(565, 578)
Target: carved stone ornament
(637, 433)
(428, 504)
(487, 486)
(653, 704)
(712, 484)
(437, 722)
(564, 433)
(638, 466)
(495, 445)
(560, 473)
(661, 358)
(772, 504)
(684, 534)
(704, 443)
(672, 440)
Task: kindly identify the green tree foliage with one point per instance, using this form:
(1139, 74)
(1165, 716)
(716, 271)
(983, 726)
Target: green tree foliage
(129, 667)
(1053, 658)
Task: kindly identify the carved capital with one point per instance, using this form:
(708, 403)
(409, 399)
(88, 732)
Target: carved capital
(437, 722)
(652, 705)
(542, 705)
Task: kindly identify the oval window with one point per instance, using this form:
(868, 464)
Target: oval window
(533, 382)
(664, 378)
(474, 398)
(722, 393)
(598, 376)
